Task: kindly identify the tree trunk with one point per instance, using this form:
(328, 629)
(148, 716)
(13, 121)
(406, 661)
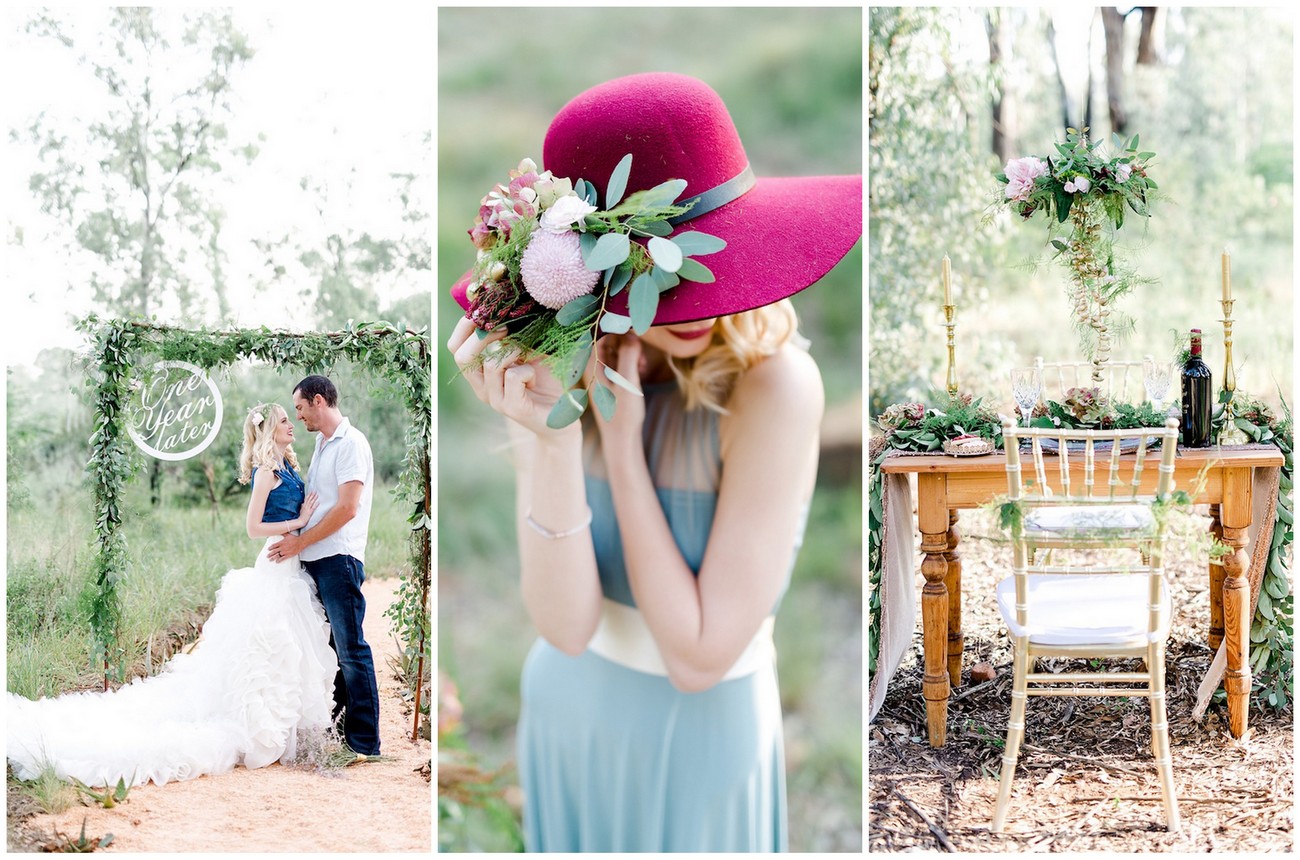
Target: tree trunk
(1113, 25)
(155, 483)
(1148, 49)
(1066, 108)
(1003, 137)
(1087, 94)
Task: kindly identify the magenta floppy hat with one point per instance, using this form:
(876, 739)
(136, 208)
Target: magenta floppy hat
(782, 233)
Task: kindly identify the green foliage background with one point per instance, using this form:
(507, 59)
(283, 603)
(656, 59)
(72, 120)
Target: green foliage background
(791, 79)
(1219, 113)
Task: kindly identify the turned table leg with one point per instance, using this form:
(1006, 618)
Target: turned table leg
(932, 512)
(1236, 514)
(1216, 583)
(952, 581)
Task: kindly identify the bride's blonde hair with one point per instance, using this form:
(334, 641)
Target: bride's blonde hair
(259, 441)
(738, 342)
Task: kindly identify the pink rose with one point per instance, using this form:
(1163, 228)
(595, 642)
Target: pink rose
(1122, 172)
(1079, 185)
(1021, 173)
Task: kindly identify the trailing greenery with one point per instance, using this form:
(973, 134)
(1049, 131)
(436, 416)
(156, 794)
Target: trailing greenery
(1272, 629)
(913, 427)
(120, 349)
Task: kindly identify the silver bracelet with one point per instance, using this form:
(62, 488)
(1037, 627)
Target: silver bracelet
(550, 535)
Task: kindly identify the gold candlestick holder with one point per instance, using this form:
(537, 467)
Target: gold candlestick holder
(949, 312)
(1230, 434)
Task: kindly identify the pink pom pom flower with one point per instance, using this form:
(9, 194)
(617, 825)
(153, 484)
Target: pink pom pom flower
(552, 269)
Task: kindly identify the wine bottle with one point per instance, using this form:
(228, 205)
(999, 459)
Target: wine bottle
(1198, 402)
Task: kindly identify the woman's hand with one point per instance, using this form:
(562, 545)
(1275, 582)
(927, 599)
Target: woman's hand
(524, 391)
(621, 434)
(309, 506)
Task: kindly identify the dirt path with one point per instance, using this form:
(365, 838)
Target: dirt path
(381, 806)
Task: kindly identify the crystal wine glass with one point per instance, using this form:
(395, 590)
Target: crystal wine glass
(1156, 378)
(1026, 388)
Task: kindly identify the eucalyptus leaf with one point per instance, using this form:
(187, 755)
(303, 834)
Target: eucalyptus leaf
(621, 381)
(663, 280)
(586, 243)
(650, 228)
(618, 182)
(696, 244)
(615, 323)
(567, 409)
(609, 250)
(692, 271)
(577, 309)
(577, 364)
(663, 194)
(642, 302)
(622, 275)
(665, 253)
(604, 400)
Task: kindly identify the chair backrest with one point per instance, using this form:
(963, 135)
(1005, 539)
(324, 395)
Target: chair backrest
(1075, 470)
(1061, 376)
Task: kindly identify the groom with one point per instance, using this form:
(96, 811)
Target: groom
(333, 547)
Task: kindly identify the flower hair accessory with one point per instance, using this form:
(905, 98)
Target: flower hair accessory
(256, 417)
(549, 261)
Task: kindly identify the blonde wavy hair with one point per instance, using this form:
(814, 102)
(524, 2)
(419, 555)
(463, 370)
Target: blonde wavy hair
(259, 441)
(738, 342)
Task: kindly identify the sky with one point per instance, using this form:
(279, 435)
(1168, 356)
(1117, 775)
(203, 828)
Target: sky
(346, 99)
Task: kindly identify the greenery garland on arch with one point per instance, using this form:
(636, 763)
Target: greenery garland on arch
(399, 356)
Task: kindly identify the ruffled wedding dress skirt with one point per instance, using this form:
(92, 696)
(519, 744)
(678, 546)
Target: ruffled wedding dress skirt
(261, 677)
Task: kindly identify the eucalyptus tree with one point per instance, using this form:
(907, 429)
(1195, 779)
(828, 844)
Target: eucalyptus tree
(130, 155)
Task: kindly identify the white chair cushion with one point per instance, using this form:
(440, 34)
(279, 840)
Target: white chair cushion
(1090, 521)
(1085, 609)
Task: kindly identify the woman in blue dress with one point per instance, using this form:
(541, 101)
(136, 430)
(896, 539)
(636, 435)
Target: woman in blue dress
(259, 681)
(655, 546)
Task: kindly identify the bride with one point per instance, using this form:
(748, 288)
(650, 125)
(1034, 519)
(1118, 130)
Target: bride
(261, 677)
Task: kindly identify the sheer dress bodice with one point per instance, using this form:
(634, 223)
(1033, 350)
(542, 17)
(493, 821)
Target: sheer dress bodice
(684, 453)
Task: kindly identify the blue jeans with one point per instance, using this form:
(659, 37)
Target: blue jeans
(338, 579)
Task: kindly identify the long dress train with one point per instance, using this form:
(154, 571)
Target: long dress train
(261, 676)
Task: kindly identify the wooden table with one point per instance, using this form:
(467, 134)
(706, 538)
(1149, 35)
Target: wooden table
(947, 484)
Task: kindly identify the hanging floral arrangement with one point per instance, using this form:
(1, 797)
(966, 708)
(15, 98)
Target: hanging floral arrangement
(1092, 192)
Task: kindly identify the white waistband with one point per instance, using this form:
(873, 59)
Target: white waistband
(623, 637)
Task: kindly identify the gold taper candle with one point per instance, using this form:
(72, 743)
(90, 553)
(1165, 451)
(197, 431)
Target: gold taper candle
(1227, 277)
(947, 280)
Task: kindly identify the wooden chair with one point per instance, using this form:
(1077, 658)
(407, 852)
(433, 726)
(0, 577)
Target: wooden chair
(1060, 376)
(1113, 609)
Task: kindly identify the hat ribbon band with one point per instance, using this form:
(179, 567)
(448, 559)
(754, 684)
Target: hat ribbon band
(720, 195)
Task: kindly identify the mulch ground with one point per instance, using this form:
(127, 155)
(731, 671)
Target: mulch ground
(1085, 780)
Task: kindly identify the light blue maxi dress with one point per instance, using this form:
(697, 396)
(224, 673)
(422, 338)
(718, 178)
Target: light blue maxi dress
(615, 759)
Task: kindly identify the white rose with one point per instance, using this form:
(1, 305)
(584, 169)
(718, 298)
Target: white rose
(565, 212)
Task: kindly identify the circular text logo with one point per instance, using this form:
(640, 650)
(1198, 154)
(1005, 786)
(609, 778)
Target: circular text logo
(179, 412)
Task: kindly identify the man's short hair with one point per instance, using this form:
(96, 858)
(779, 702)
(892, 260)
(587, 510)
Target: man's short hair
(313, 385)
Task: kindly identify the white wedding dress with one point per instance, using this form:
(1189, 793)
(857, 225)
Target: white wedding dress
(261, 677)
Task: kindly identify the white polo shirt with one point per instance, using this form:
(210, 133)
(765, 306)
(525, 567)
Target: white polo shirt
(341, 458)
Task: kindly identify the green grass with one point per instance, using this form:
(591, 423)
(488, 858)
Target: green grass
(51, 794)
(178, 556)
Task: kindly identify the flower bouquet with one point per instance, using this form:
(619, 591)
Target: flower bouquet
(1083, 186)
(549, 260)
